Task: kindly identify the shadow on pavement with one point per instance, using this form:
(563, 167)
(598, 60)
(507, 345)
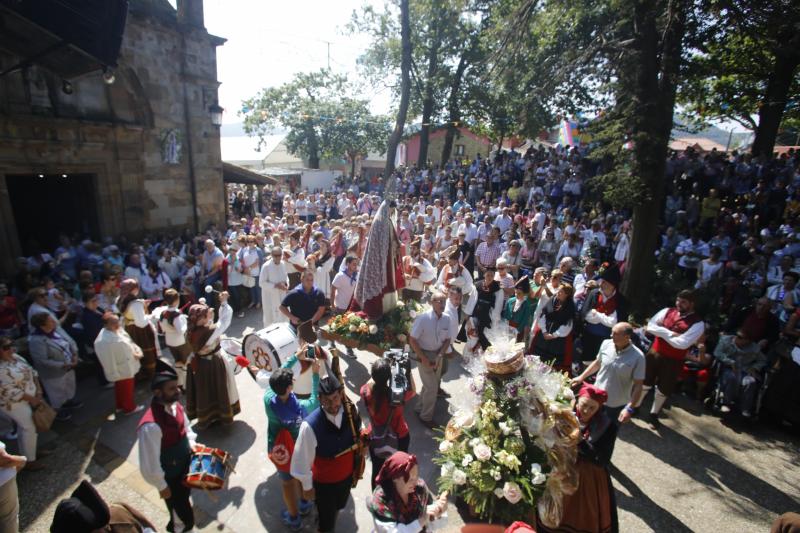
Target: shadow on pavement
(707, 468)
(639, 504)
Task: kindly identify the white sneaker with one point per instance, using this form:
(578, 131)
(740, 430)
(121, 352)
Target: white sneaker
(725, 409)
(747, 414)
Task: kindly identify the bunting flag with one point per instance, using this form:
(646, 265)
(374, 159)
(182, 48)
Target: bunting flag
(565, 136)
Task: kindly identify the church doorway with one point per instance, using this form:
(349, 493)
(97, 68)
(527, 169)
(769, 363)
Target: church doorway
(48, 205)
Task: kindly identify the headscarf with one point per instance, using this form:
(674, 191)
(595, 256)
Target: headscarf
(125, 297)
(595, 393)
(399, 464)
(196, 312)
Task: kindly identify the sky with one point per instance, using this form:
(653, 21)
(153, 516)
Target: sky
(271, 40)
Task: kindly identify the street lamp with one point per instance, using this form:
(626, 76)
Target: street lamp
(216, 114)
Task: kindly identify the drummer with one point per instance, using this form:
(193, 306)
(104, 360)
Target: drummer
(304, 306)
(165, 448)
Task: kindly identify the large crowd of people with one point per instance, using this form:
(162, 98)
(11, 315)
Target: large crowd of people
(516, 239)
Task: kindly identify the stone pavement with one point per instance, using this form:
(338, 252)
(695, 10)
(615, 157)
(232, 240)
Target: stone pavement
(695, 474)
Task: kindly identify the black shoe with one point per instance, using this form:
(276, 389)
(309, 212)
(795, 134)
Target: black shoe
(351, 354)
(443, 394)
(652, 418)
(63, 416)
(72, 404)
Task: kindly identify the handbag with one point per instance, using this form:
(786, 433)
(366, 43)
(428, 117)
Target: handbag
(43, 417)
(248, 281)
(383, 441)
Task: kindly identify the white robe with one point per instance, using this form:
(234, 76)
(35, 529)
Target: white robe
(322, 276)
(271, 297)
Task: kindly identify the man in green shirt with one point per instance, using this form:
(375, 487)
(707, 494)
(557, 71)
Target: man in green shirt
(285, 412)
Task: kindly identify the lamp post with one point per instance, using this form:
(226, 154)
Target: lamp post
(216, 114)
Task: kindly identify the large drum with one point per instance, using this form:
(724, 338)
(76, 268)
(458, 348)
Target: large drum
(270, 347)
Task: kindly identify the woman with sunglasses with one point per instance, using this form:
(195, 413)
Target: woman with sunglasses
(20, 393)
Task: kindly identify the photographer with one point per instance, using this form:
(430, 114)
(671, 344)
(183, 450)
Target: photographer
(381, 406)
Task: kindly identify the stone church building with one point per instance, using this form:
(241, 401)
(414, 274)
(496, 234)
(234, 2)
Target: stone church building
(96, 159)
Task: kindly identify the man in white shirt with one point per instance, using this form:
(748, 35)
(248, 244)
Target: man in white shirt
(470, 229)
(342, 288)
(274, 282)
(171, 265)
(167, 440)
(119, 356)
(503, 221)
(430, 339)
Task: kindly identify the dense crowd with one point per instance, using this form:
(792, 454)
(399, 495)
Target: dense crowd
(519, 239)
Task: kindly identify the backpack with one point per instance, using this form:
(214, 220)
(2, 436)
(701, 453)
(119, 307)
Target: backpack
(383, 441)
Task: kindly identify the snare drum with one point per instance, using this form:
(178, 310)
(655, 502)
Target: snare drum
(209, 469)
(270, 347)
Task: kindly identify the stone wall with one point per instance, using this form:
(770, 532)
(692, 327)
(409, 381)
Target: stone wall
(165, 84)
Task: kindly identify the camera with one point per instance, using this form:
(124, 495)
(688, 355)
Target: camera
(401, 372)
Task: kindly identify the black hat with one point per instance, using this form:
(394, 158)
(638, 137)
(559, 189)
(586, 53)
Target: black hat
(523, 284)
(83, 512)
(164, 373)
(329, 384)
(611, 275)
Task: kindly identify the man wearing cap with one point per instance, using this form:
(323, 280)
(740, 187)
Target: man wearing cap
(418, 272)
(274, 282)
(676, 330)
(327, 458)
(119, 356)
(602, 308)
(165, 448)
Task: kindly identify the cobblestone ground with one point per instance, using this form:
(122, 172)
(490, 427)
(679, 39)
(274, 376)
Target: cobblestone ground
(695, 474)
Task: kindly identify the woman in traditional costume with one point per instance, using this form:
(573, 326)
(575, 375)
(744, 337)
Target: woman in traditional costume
(138, 325)
(211, 394)
(401, 501)
(592, 508)
(552, 332)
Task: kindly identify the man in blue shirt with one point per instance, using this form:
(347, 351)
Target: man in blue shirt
(304, 306)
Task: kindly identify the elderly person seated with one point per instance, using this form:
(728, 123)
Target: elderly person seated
(743, 366)
(55, 356)
(20, 393)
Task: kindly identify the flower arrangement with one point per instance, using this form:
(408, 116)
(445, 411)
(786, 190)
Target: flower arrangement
(514, 448)
(391, 330)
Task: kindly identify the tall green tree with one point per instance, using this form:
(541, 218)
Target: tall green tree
(406, 52)
(623, 56)
(322, 118)
(747, 67)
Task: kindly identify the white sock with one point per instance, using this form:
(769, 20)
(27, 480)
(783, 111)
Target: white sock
(658, 402)
(645, 390)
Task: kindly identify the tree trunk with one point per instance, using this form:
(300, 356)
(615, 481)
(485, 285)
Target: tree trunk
(771, 111)
(405, 91)
(453, 108)
(427, 101)
(313, 146)
(352, 166)
(650, 85)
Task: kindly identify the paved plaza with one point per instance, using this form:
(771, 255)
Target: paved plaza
(695, 474)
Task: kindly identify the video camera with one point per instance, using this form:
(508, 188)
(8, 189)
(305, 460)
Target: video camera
(401, 374)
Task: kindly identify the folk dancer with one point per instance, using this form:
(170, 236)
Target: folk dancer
(211, 394)
(488, 306)
(417, 272)
(295, 257)
(166, 443)
(138, 324)
(519, 309)
(676, 330)
(328, 456)
(173, 323)
(602, 309)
